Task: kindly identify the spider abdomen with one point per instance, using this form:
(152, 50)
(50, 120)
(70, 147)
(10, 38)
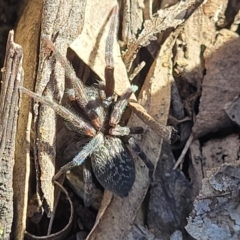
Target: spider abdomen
(113, 166)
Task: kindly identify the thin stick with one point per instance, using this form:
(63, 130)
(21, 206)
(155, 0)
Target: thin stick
(136, 71)
(184, 151)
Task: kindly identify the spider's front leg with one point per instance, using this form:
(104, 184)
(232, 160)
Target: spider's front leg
(79, 94)
(109, 69)
(79, 124)
(82, 155)
(76, 121)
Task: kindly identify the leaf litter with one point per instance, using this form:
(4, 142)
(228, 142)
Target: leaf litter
(200, 58)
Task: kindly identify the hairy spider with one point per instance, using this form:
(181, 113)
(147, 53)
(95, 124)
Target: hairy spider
(112, 162)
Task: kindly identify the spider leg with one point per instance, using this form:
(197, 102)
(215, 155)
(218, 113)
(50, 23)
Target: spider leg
(88, 187)
(109, 69)
(76, 121)
(124, 131)
(117, 113)
(132, 143)
(76, 84)
(82, 155)
(120, 106)
(102, 95)
(119, 131)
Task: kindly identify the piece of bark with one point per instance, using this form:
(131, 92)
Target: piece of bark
(216, 209)
(61, 23)
(12, 78)
(9, 15)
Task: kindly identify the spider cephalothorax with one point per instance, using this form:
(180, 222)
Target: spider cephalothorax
(99, 117)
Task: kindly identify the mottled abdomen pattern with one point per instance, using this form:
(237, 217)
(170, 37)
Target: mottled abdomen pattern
(114, 166)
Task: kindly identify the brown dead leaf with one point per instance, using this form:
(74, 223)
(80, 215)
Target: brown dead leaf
(161, 21)
(27, 35)
(90, 44)
(221, 83)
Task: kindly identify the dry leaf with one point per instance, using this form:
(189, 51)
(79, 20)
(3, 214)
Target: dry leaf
(132, 19)
(30, 24)
(163, 20)
(220, 85)
(90, 44)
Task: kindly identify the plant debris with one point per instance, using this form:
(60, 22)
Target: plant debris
(184, 58)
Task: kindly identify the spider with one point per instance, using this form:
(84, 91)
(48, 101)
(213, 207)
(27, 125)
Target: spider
(99, 117)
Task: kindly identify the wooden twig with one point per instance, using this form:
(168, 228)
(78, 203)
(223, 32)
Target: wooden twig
(184, 151)
(12, 78)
